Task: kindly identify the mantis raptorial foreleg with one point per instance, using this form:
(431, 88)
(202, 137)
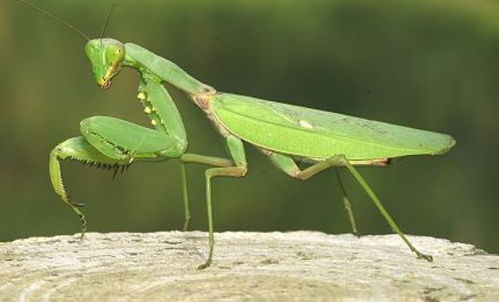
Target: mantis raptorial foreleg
(78, 149)
(110, 142)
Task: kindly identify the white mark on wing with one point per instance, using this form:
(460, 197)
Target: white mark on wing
(305, 124)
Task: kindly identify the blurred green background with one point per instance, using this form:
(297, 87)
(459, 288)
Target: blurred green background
(430, 64)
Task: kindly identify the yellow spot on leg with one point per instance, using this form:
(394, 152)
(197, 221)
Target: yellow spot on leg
(141, 96)
(153, 122)
(147, 110)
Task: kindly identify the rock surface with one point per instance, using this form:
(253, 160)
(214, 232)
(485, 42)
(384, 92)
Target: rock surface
(295, 266)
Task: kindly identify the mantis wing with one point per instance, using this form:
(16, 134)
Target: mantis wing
(320, 134)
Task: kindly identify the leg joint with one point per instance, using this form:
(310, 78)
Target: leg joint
(298, 174)
(237, 171)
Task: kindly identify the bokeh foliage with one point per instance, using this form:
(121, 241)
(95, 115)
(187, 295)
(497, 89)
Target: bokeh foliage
(430, 64)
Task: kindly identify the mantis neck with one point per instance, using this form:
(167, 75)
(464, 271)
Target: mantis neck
(150, 64)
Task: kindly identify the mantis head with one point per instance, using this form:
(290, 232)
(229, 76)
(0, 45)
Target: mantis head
(106, 57)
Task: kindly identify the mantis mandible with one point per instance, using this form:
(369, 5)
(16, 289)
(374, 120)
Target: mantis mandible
(286, 134)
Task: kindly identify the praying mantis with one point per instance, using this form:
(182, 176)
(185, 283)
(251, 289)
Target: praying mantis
(286, 134)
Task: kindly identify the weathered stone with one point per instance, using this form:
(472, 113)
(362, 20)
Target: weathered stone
(295, 266)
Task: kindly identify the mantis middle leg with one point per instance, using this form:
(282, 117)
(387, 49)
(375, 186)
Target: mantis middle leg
(235, 168)
(200, 159)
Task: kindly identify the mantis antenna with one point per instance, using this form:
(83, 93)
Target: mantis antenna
(46, 13)
(107, 21)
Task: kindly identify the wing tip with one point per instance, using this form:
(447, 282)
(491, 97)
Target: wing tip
(451, 142)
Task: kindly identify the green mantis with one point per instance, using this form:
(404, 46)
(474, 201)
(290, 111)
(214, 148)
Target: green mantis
(286, 134)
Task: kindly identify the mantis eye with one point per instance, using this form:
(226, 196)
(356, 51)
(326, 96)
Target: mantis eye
(114, 54)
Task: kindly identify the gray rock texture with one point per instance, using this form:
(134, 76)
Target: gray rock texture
(294, 266)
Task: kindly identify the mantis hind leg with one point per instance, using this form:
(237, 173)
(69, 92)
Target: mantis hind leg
(288, 165)
(383, 211)
(347, 204)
